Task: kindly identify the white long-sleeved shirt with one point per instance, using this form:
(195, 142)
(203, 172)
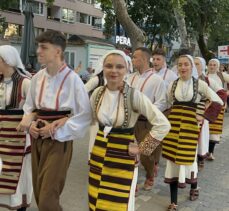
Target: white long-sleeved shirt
(167, 75)
(108, 111)
(152, 86)
(184, 92)
(72, 96)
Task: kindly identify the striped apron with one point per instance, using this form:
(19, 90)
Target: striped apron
(111, 171)
(217, 126)
(180, 144)
(12, 150)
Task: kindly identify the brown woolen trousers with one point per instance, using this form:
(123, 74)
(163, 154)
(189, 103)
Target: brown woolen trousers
(50, 162)
(142, 128)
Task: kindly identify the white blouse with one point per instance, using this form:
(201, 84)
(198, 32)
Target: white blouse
(214, 85)
(109, 107)
(61, 92)
(215, 77)
(184, 92)
(152, 86)
(6, 88)
(167, 75)
(92, 83)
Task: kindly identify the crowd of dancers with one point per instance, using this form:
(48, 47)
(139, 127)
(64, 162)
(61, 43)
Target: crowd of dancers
(138, 111)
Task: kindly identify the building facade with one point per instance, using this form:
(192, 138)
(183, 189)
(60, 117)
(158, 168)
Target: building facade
(72, 17)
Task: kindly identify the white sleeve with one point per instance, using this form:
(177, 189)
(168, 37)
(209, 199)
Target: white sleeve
(160, 124)
(225, 77)
(160, 95)
(208, 92)
(76, 126)
(25, 87)
(24, 90)
(29, 105)
(92, 84)
(169, 96)
(214, 85)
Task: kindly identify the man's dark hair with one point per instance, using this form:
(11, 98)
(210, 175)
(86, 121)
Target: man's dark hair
(53, 37)
(184, 51)
(146, 51)
(159, 51)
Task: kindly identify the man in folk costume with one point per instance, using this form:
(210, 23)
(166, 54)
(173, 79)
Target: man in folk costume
(116, 108)
(216, 127)
(62, 114)
(153, 86)
(161, 69)
(16, 176)
(179, 147)
(203, 144)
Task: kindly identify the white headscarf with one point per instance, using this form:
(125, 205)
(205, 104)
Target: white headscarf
(99, 66)
(203, 64)
(194, 70)
(218, 63)
(11, 57)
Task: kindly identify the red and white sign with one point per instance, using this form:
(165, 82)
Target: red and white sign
(223, 52)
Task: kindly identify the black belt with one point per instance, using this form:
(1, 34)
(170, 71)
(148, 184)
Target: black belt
(119, 130)
(11, 112)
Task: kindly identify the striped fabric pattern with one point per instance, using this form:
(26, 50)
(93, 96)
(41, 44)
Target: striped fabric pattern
(217, 126)
(201, 107)
(111, 172)
(12, 150)
(180, 144)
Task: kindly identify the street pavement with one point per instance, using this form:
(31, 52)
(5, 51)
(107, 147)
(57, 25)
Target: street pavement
(213, 183)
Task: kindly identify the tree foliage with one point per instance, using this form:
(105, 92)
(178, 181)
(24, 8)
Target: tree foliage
(109, 25)
(155, 18)
(207, 19)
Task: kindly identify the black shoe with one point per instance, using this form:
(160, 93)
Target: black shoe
(22, 209)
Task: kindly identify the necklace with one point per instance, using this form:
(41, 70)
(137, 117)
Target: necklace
(185, 88)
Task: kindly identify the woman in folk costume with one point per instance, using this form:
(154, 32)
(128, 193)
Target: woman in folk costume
(180, 146)
(92, 84)
(216, 127)
(203, 143)
(116, 107)
(15, 177)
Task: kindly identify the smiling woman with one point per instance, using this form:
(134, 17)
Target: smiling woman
(116, 108)
(115, 68)
(180, 145)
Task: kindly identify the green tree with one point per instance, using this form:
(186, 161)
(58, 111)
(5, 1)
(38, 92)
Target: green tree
(155, 18)
(178, 9)
(207, 19)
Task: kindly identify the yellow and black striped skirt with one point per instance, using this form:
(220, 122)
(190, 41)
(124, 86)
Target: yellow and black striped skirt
(111, 172)
(180, 144)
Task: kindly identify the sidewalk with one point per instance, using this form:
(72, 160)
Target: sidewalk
(213, 181)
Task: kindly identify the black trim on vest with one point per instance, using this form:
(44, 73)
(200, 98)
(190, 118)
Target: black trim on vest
(16, 92)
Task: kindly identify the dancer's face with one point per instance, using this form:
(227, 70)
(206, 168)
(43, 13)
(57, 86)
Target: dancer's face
(198, 66)
(212, 66)
(114, 68)
(184, 66)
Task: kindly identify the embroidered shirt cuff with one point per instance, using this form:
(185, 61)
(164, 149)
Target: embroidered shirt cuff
(148, 145)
